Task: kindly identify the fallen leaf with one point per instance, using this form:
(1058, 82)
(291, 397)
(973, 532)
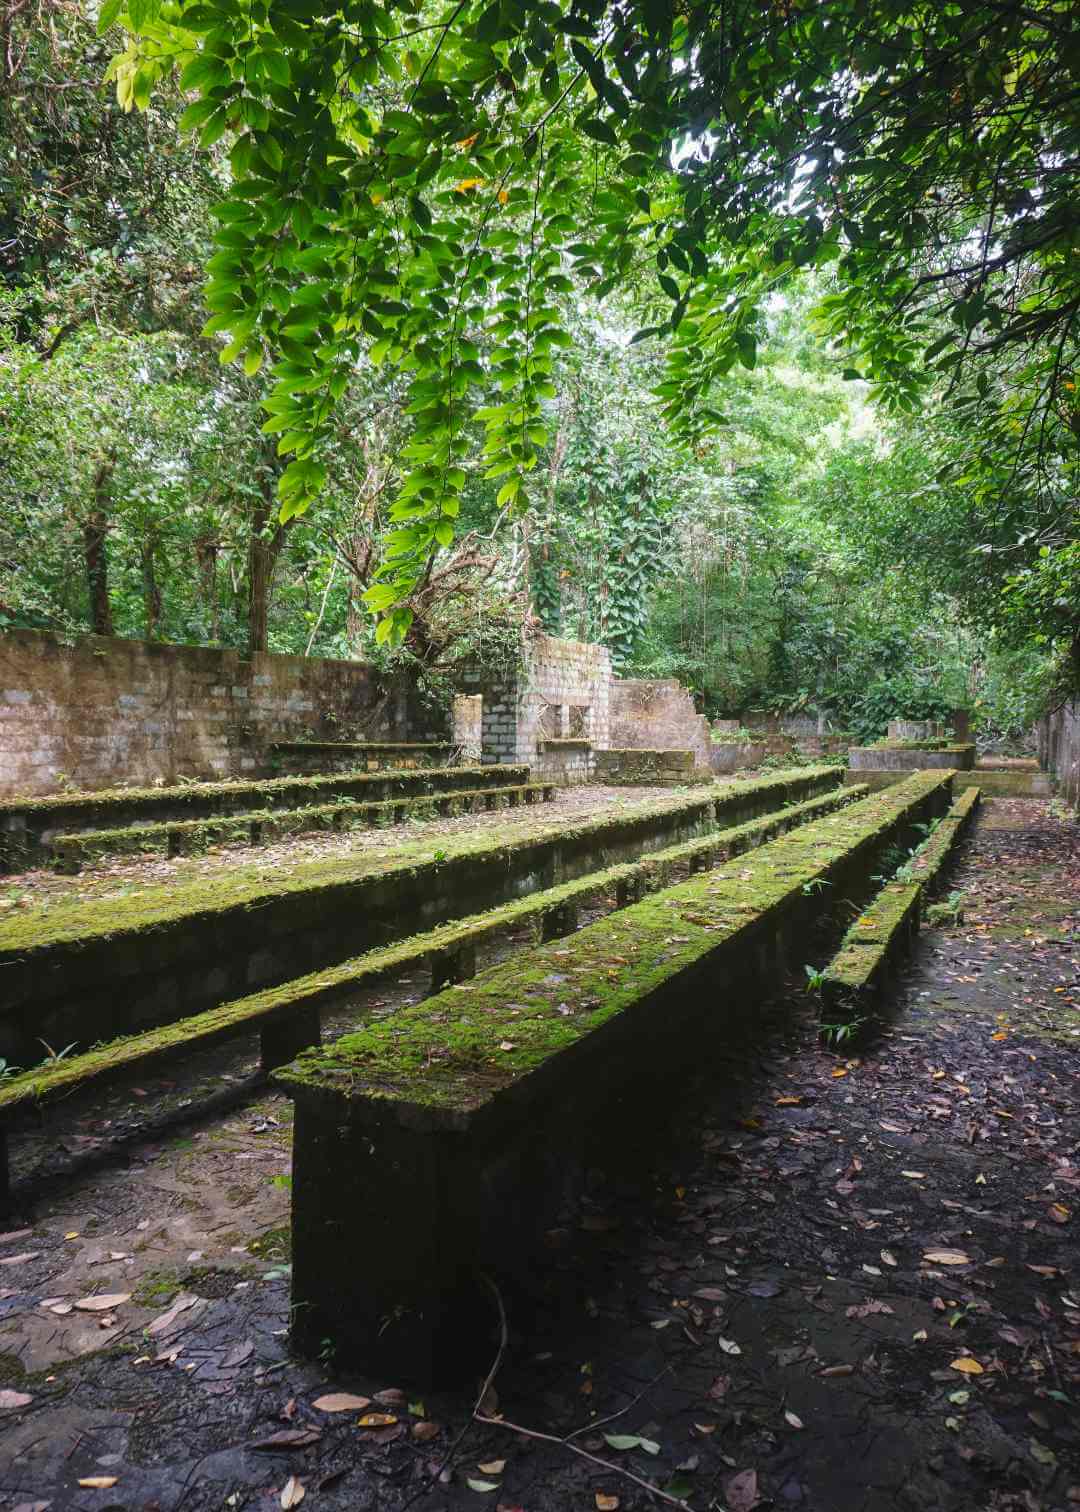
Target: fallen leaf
(914, 1175)
(31, 1506)
(838, 1071)
(705, 1428)
(481, 1485)
(11, 1399)
(948, 1257)
(391, 1397)
(493, 1467)
(606, 1503)
(425, 1432)
(238, 1354)
(711, 1293)
(966, 1365)
(865, 1309)
(377, 1420)
(1040, 1452)
(98, 1482)
(289, 1438)
(793, 1421)
(837, 1370)
(788, 1102)
(729, 1346)
(341, 1401)
(741, 1491)
(103, 1303)
(1044, 1270)
(1059, 1213)
(179, 1305)
(888, 1258)
(292, 1493)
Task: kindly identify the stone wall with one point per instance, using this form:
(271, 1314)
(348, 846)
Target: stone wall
(1059, 749)
(657, 714)
(551, 713)
(102, 712)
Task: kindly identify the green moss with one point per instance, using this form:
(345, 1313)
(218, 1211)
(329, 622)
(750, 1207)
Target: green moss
(76, 919)
(266, 789)
(274, 1244)
(156, 1288)
(457, 1049)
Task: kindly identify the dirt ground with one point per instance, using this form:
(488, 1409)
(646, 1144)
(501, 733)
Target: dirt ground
(834, 1282)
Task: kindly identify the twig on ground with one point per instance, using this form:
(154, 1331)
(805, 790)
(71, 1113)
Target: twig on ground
(551, 1438)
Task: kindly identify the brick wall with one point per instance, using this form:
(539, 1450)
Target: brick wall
(552, 712)
(107, 711)
(657, 714)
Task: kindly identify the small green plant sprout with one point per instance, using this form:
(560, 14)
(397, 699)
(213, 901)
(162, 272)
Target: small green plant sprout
(815, 978)
(52, 1056)
(814, 885)
(839, 1034)
(7, 1070)
(439, 857)
(948, 913)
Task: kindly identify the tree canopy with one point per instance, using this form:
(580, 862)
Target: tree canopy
(430, 187)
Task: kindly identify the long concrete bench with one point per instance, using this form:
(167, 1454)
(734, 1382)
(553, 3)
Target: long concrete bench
(70, 853)
(86, 970)
(435, 1143)
(28, 827)
(288, 1018)
(884, 933)
(341, 755)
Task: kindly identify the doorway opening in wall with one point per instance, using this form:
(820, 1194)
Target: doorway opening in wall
(466, 727)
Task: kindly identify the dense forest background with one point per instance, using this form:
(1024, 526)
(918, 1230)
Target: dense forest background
(812, 550)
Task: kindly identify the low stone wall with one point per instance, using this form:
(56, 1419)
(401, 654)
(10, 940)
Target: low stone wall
(1059, 749)
(901, 759)
(105, 711)
(730, 756)
(642, 768)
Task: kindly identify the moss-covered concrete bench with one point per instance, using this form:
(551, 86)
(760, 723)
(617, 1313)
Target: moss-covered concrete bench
(70, 853)
(436, 1142)
(85, 970)
(885, 931)
(339, 755)
(27, 827)
(288, 1018)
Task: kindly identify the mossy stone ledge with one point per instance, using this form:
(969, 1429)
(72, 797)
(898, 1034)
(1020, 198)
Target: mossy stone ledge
(436, 1143)
(288, 1018)
(885, 932)
(28, 826)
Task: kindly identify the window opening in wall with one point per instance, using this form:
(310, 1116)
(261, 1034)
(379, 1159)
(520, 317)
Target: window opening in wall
(580, 722)
(550, 726)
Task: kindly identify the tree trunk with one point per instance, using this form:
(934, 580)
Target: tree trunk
(151, 591)
(95, 553)
(263, 553)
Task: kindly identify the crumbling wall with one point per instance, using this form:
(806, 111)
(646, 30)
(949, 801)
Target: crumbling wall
(104, 711)
(1059, 749)
(657, 714)
(551, 712)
